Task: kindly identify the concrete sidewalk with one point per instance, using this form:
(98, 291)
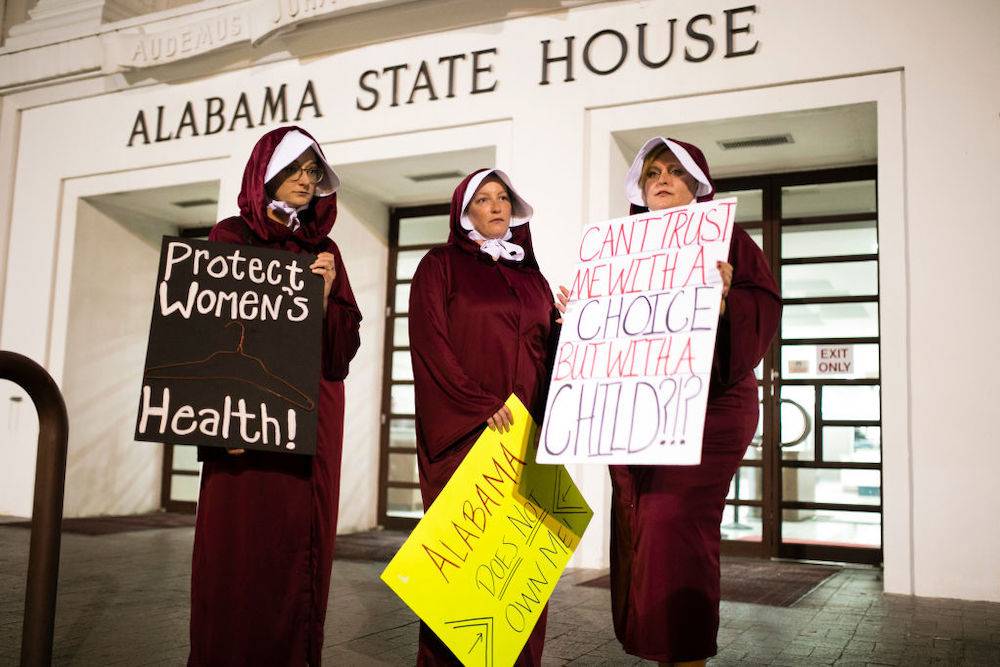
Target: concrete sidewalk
(123, 600)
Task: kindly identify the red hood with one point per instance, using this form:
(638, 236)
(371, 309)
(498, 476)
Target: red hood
(317, 220)
(460, 237)
(700, 160)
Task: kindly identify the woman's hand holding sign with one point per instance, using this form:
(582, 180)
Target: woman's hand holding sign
(726, 271)
(326, 267)
(562, 300)
(502, 421)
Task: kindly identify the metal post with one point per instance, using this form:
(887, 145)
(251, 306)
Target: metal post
(46, 517)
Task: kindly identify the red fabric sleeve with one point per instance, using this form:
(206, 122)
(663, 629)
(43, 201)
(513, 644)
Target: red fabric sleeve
(449, 403)
(230, 230)
(341, 328)
(753, 311)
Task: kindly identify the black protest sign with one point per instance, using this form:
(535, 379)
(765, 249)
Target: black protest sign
(234, 349)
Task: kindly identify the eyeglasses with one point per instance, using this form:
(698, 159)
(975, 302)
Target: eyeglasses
(294, 172)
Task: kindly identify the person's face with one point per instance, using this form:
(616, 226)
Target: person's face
(489, 210)
(667, 184)
(297, 182)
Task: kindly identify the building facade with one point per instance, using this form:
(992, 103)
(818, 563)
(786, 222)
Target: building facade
(860, 138)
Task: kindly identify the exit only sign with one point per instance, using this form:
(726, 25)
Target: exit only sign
(834, 359)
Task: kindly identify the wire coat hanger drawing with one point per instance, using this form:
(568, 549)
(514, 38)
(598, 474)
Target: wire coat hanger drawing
(235, 365)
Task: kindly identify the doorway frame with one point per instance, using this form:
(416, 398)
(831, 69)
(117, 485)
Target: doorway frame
(73, 190)
(478, 135)
(604, 172)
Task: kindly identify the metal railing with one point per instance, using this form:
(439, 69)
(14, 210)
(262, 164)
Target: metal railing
(46, 517)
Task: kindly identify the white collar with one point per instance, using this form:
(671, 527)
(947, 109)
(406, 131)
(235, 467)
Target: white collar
(287, 211)
(497, 247)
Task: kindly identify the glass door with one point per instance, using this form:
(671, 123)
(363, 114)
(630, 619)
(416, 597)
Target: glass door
(810, 486)
(412, 232)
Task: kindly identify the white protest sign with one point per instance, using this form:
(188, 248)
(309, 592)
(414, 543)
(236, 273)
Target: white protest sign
(631, 375)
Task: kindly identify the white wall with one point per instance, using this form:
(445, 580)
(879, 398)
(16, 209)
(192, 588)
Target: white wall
(936, 310)
(953, 234)
(361, 233)
(114, 269)
(19, 425)
(609, 160)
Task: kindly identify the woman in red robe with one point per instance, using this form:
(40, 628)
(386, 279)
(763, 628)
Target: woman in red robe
(263, 545)
(482, 326)
(665, 520)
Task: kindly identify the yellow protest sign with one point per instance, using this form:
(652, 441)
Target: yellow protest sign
(481, 564)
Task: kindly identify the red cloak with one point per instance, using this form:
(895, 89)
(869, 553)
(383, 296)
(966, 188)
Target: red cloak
(480, 330)
(263, 545)
(665, 520)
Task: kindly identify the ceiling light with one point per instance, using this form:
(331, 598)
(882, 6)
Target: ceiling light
(436, 176)
(191, 203)
(755, 142)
